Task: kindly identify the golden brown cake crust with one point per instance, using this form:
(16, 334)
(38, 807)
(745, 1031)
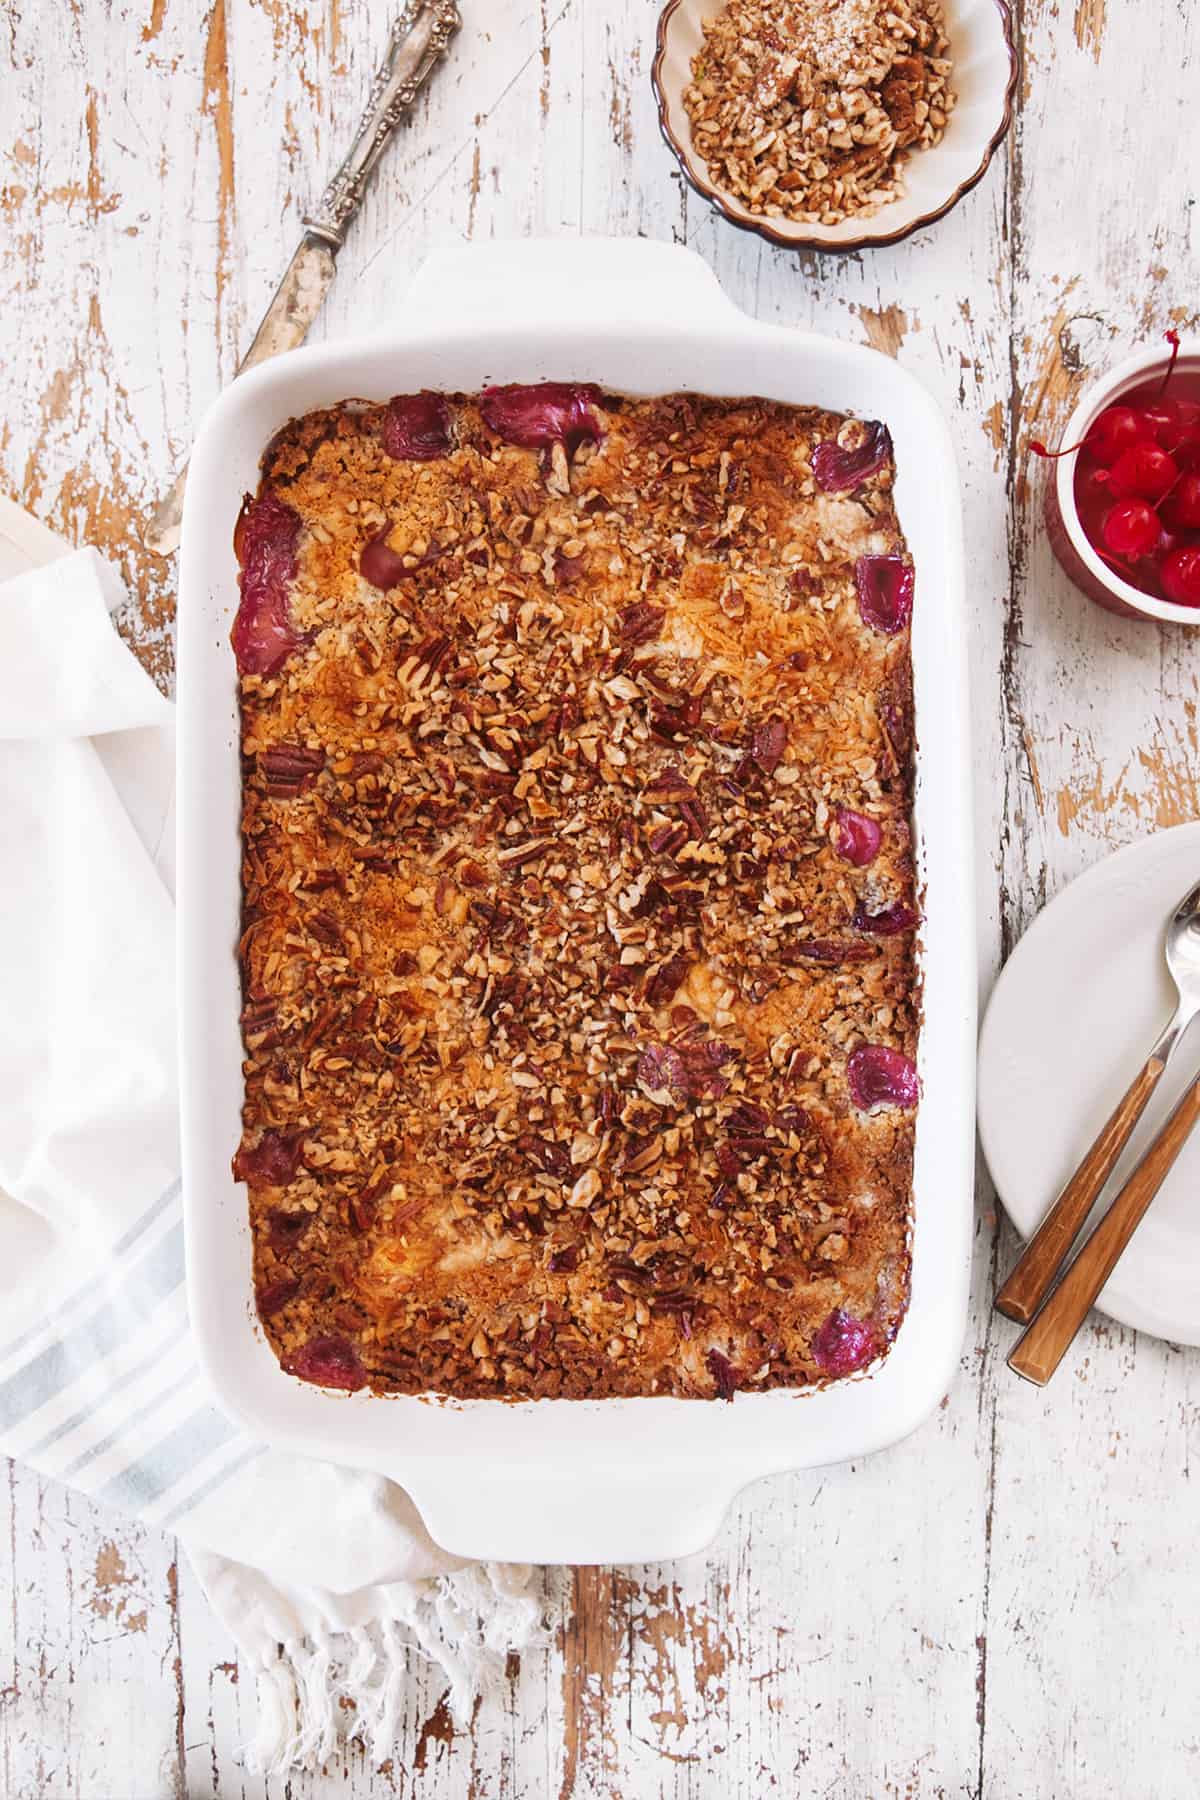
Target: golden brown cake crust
(553, 959)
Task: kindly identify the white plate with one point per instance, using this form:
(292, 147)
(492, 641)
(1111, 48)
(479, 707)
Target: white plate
(1072, 1017)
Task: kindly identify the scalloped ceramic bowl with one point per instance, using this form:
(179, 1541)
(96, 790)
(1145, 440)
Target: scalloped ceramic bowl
(985, 80)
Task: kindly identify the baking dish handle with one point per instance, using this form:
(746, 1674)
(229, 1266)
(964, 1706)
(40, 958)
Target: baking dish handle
(588, 282)
(546, 1516)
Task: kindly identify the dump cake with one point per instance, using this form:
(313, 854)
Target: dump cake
(580, 1004)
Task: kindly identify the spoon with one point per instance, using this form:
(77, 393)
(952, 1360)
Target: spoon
(1043, 1255)
(1044, 1345)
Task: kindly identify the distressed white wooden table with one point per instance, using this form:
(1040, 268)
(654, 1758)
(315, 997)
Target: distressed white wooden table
(1004, 1605)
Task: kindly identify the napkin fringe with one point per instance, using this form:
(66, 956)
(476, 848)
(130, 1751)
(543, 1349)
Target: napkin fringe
(328, 1687)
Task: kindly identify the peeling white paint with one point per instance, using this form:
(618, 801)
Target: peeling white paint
(999, 1607)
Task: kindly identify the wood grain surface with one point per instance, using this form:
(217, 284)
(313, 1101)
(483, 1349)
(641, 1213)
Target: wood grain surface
(1002, 1606)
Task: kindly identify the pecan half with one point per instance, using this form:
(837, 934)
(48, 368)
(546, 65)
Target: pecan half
(290, 769)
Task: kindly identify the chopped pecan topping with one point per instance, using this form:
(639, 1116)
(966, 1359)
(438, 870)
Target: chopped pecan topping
(276, 1295)
(723, 1373)
(827, 950)
(259, 1020)
(517, 855)
(666, 980)
(640, 623)
(290, 769)
(565, 965)
(768, 744)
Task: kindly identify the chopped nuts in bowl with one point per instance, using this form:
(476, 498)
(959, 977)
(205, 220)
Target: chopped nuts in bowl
(834, 125)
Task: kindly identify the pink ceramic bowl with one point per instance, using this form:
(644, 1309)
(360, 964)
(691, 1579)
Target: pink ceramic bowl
(1090, 573)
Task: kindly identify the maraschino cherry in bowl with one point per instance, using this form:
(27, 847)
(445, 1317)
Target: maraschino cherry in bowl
(1123, 501)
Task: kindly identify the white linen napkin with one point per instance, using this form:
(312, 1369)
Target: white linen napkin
(325, 1577)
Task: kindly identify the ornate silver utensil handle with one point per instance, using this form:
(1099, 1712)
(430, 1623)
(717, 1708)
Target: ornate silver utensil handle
(419, 38)
(418, 41)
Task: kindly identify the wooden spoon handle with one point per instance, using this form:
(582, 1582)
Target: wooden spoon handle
(1043, 1255)
(1040, 1351)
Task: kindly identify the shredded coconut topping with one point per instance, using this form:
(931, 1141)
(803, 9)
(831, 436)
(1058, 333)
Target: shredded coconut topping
(577, 948)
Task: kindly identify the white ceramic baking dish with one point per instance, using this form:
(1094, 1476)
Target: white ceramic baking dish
(571, 1481)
